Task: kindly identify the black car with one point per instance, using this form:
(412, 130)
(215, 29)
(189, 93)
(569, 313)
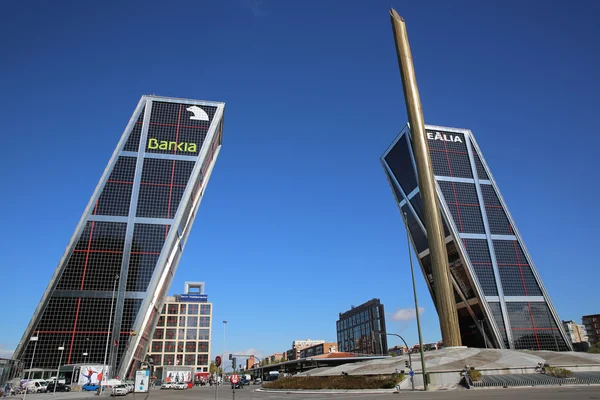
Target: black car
(60, 387)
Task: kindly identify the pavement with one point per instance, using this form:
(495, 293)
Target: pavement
(250, 393)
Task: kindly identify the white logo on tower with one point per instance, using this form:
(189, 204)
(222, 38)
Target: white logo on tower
(199, 114)
(444, 137)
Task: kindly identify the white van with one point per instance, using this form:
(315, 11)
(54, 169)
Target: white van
(35, 387)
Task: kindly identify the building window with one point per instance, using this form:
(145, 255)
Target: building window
(205, 309)
(171, 334)
(204, 369)
(161, 321)
(192, 322)
(193, 309)
(203, 334)
(169, 347)
(202, 347)
(179, 359)
(204, 322)
(191, 334)
(172, 309)
(182, 309)
(157, 347)
(202, 359)
(171, 321)
(169, 359)
(159, 334)
(164, 309)
(190, 347)
(181, 321)
(181, 334)
(190, 359)
(180, 347)
(157, 359)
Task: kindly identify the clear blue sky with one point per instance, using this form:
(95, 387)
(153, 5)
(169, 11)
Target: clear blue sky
(298, 222)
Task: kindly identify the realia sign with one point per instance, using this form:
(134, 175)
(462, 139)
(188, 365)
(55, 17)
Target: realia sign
(445, 137)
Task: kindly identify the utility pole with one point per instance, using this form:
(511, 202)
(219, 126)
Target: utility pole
(412, 274)
(444, 294)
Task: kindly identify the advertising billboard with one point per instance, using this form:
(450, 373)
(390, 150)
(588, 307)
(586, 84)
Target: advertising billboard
(142, 378)
(91, 374)
(178, 376)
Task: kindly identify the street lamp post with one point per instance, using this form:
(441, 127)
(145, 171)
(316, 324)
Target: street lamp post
(261, 366)
(108, 331)
(61, 349)
(87, 346)
(409, 357)
(222, 358)
(412, 274)
(32, 339)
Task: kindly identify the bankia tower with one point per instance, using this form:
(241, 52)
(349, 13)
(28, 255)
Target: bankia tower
(105, 296)
(500, 298)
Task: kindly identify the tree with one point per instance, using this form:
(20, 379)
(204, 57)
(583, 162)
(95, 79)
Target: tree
(213, 368)
(393, 354)
(595, 348)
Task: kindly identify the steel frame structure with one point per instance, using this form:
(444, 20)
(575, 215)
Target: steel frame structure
(498, 325)
(160, 200)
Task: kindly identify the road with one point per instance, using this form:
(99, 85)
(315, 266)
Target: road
(249, 393)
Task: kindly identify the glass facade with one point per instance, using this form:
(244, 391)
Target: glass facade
(499, 295)
(358, 328)
(126, 240)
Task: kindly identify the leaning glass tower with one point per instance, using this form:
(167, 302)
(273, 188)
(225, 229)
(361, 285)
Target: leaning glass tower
(105, 296)
(500, 298)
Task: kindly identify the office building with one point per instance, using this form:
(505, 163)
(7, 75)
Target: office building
(592, 327)
(111, 282)
(183, 332)
(500, 298)
(361, 330)
(578, 335)
(576, 332)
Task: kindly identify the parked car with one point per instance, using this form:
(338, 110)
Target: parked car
(180, 386)
(90, 387)
(130, 386)
(120, 390)
(257, 381)
(60, 387)
(166, 385)
(244, 382)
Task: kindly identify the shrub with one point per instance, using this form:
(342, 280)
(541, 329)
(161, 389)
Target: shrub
(558, 372)
(337, 382)
(475, 375)
(594, 349)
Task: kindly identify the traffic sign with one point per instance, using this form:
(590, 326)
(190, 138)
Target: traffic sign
(412, 373)
(235, 379)
(217, 361)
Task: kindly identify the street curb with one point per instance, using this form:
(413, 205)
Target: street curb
(329, 391)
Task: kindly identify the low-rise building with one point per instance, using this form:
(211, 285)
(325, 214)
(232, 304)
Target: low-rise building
(318, 349)
(299, 345)
(398, 350)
